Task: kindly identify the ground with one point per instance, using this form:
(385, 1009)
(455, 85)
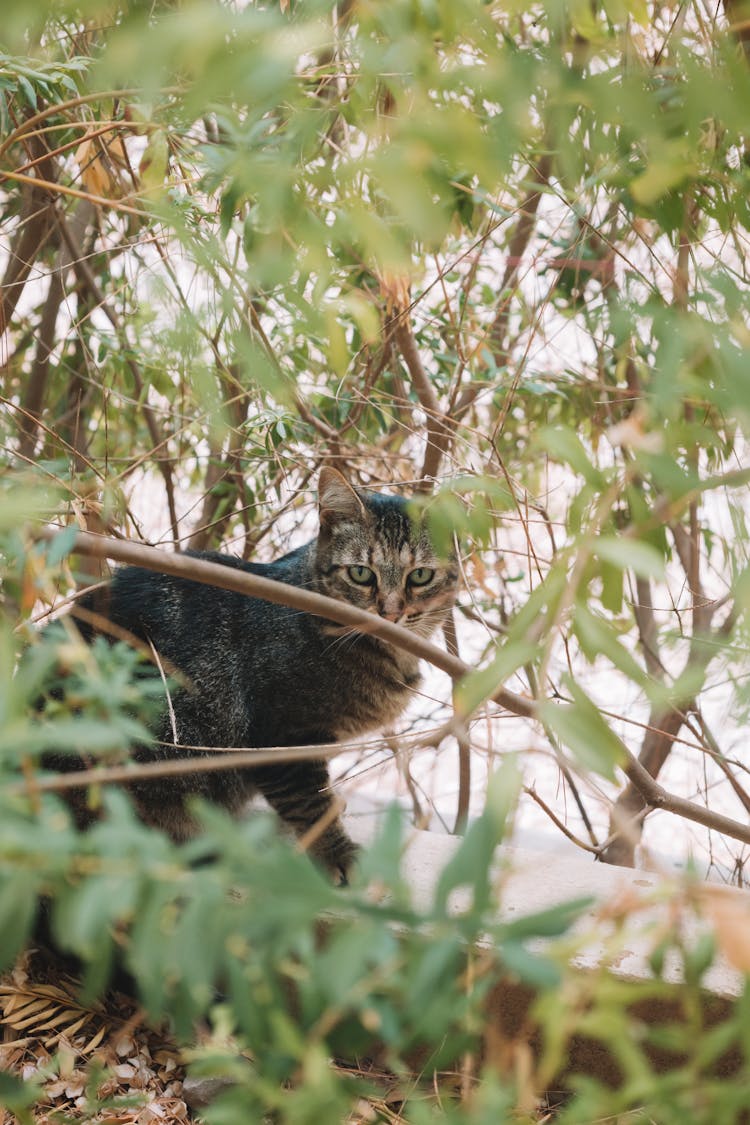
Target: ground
(98, 1063)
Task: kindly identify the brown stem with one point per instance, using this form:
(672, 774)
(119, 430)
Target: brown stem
(253, 585)
(681, 292)
(34, 393)
(657, 745)
(711, 746)
(563, 766)
(55, 108)
(516, 249)
(164, 465)
(328, 432)
(75, 193)
(657, 797)
(36, 221)
(212, 760)
(227, 469)
(531, 792)
(519, 240)
(439, 427)
(643, 610)
(664, 726)
(462, 740)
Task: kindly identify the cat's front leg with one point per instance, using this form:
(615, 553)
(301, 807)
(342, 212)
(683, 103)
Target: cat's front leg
(300, 793)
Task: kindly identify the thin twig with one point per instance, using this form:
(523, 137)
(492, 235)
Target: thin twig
(439, 427)
(85, 273)
(462, 740)
(212, 760)
(531, 792)
(170, 705)
(63, 189)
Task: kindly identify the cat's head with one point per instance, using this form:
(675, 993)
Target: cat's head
(371, 554)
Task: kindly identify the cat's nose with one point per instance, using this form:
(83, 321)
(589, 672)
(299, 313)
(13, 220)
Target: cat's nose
(391, 607)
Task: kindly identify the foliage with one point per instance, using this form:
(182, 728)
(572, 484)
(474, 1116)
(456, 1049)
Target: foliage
(497, 250)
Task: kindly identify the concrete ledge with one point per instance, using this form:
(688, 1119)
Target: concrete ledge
(640, 901)
(631, 909)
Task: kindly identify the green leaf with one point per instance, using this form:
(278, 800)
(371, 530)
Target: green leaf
(612, 586)
(598, 637)
(84, 914)
(21, 503)
(62, 544)
(553, 922)
(583, 19)
(18, 904)
(665, 172)
(382, 861)
(631, 554)
(479, 686)
(581, 726)
(28, 90)
(638, 9)
(17, 1095)
(565, 445)
(742, 589)
(532, 968)
(470, 866)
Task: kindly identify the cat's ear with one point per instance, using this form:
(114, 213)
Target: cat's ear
(337, 500)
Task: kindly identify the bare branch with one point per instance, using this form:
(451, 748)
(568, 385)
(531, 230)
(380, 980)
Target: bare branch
(212, 760)
(462, 740)
(85, 273)
(439, 427)
(35, 387)
(280, 593)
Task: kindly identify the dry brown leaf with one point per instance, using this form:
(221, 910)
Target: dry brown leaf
(729, 912)
(95, 1041)
(104, 164)
(19, 1009)
(30, 1015)
(479, 577)
(396, 288)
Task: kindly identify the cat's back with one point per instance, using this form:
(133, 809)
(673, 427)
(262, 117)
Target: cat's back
(179, 613)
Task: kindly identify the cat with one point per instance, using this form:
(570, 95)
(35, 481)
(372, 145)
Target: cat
(253, 673)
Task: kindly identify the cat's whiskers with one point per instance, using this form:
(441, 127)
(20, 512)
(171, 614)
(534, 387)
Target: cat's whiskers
(425, 621)
(348, 634)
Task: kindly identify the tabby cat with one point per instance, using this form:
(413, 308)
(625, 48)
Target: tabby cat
(258, 674)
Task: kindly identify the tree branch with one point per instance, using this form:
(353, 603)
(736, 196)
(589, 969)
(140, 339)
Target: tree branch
(212, 760)
(280, 593)
(36, 221)
(35, 386)
(439, 427)
(664, 726)
(462, 740)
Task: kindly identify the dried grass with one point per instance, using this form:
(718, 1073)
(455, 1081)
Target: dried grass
(98, 1063)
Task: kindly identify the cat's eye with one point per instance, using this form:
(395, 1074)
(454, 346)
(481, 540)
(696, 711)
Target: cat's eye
(422, 576)
(362, 575)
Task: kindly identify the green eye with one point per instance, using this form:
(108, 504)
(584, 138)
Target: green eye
(362, 575)
(422, 576)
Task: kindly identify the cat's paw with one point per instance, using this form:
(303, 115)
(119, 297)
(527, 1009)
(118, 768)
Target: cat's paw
(338, 855)
(342, 871)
